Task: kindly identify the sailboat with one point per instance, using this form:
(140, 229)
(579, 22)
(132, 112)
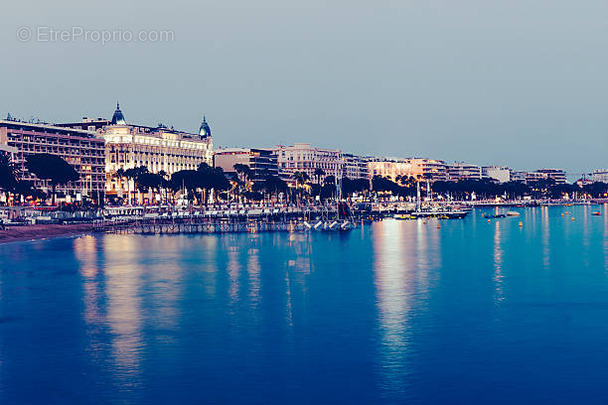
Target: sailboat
(443, 214)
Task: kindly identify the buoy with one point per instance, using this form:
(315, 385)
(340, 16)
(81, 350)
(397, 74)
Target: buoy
(438, 226)
(521, 224)
(489, 221)
(573, 218)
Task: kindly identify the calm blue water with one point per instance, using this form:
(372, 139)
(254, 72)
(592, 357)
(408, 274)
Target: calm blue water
(396, 312)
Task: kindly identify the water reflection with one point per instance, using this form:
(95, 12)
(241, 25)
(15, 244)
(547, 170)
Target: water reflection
(208, 265)
(605, 237)
(298, 269)
(546, 233)
(403, 252)
(164, 276)
(124, 316)
(234, 271)
(253, 269)
(498, 253)
(586, 239)
(85, 250)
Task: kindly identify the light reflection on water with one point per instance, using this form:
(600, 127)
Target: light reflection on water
(404, 253)
(123, 282)
(546, 235)
(605, 239)
(498, 276)
(253, 269)
(385, 314)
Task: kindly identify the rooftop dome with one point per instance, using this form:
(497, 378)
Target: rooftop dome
(204, 129)
(118, 118)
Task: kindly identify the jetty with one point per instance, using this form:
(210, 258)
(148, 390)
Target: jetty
(227, 221)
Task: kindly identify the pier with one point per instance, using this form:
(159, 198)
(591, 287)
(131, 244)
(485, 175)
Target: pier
(195, 226)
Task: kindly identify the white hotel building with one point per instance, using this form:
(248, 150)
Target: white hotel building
(463, 171)
(600, 176)
(389, 168)
(417, 168)
(158, 149)
(302, 157)
(501, 174)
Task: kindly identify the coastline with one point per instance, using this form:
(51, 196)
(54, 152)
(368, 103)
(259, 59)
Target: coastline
(155, 225)
(36, 232)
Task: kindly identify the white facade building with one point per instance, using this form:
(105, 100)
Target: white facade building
(302, 157)
(557, 175)
(463, 171)
(159, 149)
(418, 168)
(355, 167)
(389, 168)
(600, 176)
(501, 174)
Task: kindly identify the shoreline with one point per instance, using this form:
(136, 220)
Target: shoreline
(36, 232)
(26, 233)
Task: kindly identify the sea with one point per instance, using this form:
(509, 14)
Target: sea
(475, 311)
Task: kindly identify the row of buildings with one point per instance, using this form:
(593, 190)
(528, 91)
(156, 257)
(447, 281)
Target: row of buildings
(286, 160)
(99, 149)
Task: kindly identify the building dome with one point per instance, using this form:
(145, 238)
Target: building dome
(204, 129)
(118, 118)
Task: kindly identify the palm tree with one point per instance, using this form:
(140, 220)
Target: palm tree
(318, 174)
(133, 174)
(301, 179)
(118, 175)
(244, 177)
(428, 177)
(164, 184)
(8, 179)
(272, 185)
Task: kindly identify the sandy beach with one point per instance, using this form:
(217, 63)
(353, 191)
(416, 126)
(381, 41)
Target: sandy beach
(29, 232)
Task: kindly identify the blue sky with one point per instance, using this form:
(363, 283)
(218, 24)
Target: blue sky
(515, 82)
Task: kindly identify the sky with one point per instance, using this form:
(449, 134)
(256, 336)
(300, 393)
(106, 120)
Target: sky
(519, 83)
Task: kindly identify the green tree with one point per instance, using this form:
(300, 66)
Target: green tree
(272, 185)
(134, 174)
(8, 179)
(188, 179)
(244, 178)
(244, 172)
(596, 189)
(211, 178)
(52, 168)
(319, 173)
(150, 182)
(301, 178)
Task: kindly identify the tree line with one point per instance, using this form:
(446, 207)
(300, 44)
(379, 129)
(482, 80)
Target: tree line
(55, 170)
(209, 184)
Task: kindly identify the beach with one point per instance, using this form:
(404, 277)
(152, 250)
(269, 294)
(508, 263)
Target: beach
(29, 232)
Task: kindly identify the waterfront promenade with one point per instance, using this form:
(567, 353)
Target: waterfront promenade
(234, 218)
